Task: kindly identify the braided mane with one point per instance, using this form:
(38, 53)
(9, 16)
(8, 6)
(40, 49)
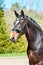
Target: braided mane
(34, 23)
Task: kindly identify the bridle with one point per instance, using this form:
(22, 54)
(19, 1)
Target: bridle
(24, 24)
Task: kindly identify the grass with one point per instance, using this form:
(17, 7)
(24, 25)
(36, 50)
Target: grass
(12, 54)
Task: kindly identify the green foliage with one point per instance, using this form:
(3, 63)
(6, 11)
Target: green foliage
(3, 28)
(9, 47)
(15, 6)
(6, 46)
(1, 8)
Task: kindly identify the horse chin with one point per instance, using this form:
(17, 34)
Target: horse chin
(14, 41)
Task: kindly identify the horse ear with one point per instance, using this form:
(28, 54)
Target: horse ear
(22, 12)
(16, 13)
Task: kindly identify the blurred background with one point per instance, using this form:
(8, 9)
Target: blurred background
(31, 8)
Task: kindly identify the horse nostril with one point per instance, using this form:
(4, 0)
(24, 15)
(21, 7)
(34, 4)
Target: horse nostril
(12, 37)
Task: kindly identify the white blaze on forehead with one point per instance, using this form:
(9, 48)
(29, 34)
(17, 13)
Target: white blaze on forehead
(17, 21)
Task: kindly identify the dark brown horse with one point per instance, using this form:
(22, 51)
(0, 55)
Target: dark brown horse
(28, 26)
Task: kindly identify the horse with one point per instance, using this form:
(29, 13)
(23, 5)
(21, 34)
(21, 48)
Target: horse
(34, 34)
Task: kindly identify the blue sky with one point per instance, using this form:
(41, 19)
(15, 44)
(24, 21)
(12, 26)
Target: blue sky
(26, 3)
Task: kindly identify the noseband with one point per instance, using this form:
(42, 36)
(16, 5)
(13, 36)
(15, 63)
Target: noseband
(14, 29)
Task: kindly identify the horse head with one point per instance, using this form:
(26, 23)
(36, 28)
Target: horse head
(19, 26)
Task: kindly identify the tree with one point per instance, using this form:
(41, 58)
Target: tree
(24, 8)
(37, 6)
(15, 6)
(3, 28)
(6, 45)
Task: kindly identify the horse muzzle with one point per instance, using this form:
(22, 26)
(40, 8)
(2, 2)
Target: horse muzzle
(13, 40)
(14, 36)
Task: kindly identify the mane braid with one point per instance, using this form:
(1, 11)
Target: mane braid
(34, 23)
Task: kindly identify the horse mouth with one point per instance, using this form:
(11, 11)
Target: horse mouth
(14, 36)
(14, 39)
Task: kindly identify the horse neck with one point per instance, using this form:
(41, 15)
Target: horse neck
(33, 37)
(31, 34)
